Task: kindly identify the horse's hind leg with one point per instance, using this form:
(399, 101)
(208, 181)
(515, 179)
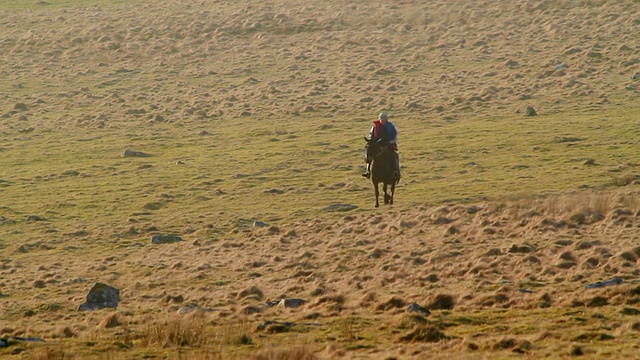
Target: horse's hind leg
(386, 195)
(377, 191)
(393, 190)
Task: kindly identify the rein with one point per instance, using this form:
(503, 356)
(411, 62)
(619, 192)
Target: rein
(382, 150)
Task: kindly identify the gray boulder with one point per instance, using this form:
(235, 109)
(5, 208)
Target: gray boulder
(340, 207)
(530, 111)
(414, 307)
(165, 239)
(291, 303)
(133, 153)
(101, 296)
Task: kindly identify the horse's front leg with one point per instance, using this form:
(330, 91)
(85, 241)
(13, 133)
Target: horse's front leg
(386, 195)
(393, 190)
(377, 191)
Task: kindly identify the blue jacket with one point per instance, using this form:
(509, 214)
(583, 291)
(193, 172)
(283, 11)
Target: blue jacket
(389, 132)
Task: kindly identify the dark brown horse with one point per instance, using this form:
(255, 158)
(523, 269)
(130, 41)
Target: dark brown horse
(382, 159)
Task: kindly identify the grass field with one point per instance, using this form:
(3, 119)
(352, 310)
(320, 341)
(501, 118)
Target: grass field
(251, 117)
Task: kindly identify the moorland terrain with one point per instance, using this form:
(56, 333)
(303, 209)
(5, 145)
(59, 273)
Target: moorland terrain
(247, 118)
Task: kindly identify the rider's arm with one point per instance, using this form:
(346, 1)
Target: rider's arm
(393, 133)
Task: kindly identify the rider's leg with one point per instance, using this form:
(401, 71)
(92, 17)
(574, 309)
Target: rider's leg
(367, 173)
(396, 164)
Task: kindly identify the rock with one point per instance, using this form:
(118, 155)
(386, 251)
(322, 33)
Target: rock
(599, 284)
(133, 153)
(512, 63)
(259, 224)
(340, 207)
(5, 342)
(291, 303)
(414, 307)
(31, 218)
(530, 111)
(165, 239)
(191, 308)
(101, 296)
(272, 303)
(274, 191)
(20, 106)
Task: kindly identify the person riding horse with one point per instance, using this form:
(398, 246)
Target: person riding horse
(384, 132)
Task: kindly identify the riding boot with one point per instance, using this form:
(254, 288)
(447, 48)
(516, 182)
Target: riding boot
(367, 173)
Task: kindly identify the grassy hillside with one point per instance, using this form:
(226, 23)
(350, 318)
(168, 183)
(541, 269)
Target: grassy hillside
(253, 113)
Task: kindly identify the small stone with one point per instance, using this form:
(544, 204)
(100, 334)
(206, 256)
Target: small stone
(259, 224)
(340, 207)
(531, 111)
(291, 303)
(133, 153)
(165, 239)
(31, 218)
(512, 63)
(20, 106)
(414, 307)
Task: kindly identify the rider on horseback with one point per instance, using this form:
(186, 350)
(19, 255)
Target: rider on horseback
(385, 132)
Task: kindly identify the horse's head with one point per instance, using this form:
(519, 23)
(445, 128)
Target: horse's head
(374, 148)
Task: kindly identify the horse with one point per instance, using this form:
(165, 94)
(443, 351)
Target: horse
(382, 161)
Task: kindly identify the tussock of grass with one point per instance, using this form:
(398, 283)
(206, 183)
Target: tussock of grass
(176, 332)
(578, 205)
(51, 354)
(422, 333)
(297, 353)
